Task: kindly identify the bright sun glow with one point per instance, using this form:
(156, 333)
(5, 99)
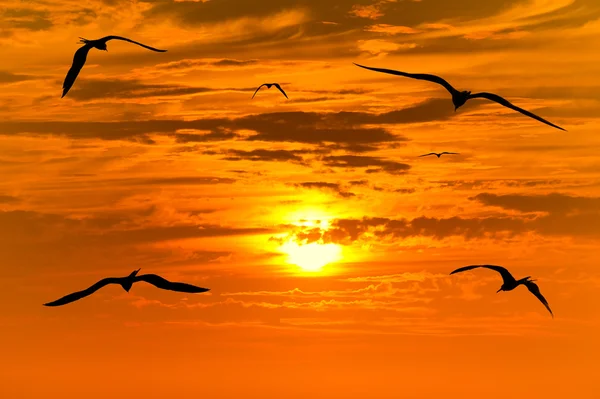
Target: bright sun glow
(311, 257)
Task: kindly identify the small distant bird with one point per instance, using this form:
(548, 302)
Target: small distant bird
(509, 282)
(126, 283)
(438, 154)
(268, 87)
(81, 56)
(459, 98)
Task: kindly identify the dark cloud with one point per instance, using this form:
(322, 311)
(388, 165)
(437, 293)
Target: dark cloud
(310, 100)
(21, 227)
(494, 183)
(134, 181)
(358, 182)
(25, 18)
(238, 63)
(343, 128)
(406, 13)
(9, 199)
(357, 161)
(347, 231)
(216, 135)
(265, 155)
(91, 89)
(8, 77)
(326, 186)
(573, 15)
(554, 203)
(404, 190)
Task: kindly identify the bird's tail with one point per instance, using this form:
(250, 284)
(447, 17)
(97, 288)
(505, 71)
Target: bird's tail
(525, 280)
(84, 41)
(129, 280)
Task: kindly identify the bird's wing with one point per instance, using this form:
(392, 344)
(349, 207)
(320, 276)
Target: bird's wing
(78, 63)
(508, 104)
(264, 84)
(280, 89)
(164, 284)
(107, 38)
(535, 290)
(450, 153)
(420, 76)
(506, 276)
(425, 155)
(81, 294)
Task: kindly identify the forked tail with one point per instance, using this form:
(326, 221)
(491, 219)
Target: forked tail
(128, 281)
(84, 41)
(525, 280)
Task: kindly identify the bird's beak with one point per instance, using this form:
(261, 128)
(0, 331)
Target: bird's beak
(499, 290)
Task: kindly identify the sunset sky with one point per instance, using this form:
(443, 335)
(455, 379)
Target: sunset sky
(326, 241)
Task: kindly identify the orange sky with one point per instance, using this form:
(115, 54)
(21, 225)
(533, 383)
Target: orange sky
(162, 161)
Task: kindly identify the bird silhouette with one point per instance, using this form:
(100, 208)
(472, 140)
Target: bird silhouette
(81, 56)
(268, 87)
(459, 98)
(126, 283)
(439, 154)
(510, 283)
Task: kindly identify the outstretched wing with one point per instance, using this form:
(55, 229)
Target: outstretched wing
(450, 153)
(264, 84)
(164, 284)
(420, 76)
(280, 89)
(425, 155)
(506, 276)
(107, 38)
(535, 290)
(78, 63)
(508, 104)
(82, 294)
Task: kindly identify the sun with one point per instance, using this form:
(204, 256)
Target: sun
(311, 257)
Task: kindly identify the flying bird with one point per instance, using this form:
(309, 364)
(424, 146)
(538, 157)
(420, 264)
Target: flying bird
(439, 154)
(268, 87)
(81, 56)
(459, 98)
(126, 283)
(509, 282)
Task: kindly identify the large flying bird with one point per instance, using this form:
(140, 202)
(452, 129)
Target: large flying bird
(459, 98)
(126, 283)
(510, 283)
(439, 154)
(81, 56)
(268, 87)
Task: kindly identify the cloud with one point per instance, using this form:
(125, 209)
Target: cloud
(358, 161)
(27, 227)
(391, 29)
(554, 203)
(90, 89)
(328, 186)
(9, 199)
(25, 18)
(383, 47)
(8, 77)
(265, 155)
(343, 127)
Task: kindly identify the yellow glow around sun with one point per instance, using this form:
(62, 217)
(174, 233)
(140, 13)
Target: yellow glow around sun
(311, 257)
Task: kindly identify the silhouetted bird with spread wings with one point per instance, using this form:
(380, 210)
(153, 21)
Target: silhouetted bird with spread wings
(459, 98)
(438, 154)
(126, 283)
(268, 87)
(81, 56)
(509, 282)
